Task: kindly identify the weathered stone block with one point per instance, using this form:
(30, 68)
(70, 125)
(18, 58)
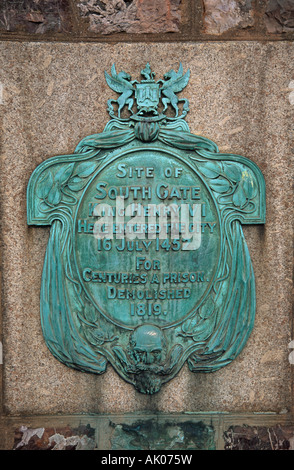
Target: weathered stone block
(131, 16)
(259, 438)
(279, 16)
(66, 438)
(223, 15)
(35, 16)
(151, 435)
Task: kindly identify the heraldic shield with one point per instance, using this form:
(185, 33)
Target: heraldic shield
(146, 265)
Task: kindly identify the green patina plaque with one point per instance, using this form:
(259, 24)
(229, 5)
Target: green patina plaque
(146, 265)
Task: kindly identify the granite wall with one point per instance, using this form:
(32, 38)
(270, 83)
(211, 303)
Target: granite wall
(136, 20)
(52, 94)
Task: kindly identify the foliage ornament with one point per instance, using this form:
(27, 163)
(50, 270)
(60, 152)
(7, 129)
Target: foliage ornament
(146, 303)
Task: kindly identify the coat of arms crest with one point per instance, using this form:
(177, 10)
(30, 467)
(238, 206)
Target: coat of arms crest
(148, 92)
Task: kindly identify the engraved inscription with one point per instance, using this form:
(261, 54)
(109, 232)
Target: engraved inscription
(137, 270)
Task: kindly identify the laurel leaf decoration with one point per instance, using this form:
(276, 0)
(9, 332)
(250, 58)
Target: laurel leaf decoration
(73, 176)
(77, 183)
(210, 169)
(245, 190)
(63, 174)
(85, 169)
(94, 336)
(232, 171)
(44, 185)
(90, 313)
(189, 325)
(54, 196)
(207, 309)
(229, 178)
(220, 185)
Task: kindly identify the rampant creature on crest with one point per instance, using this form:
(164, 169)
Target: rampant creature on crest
(175, 83)
(148, 92)
(120, 82)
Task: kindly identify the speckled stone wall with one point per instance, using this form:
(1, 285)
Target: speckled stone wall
(240, 96)
(133, 20)
(52, 94)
